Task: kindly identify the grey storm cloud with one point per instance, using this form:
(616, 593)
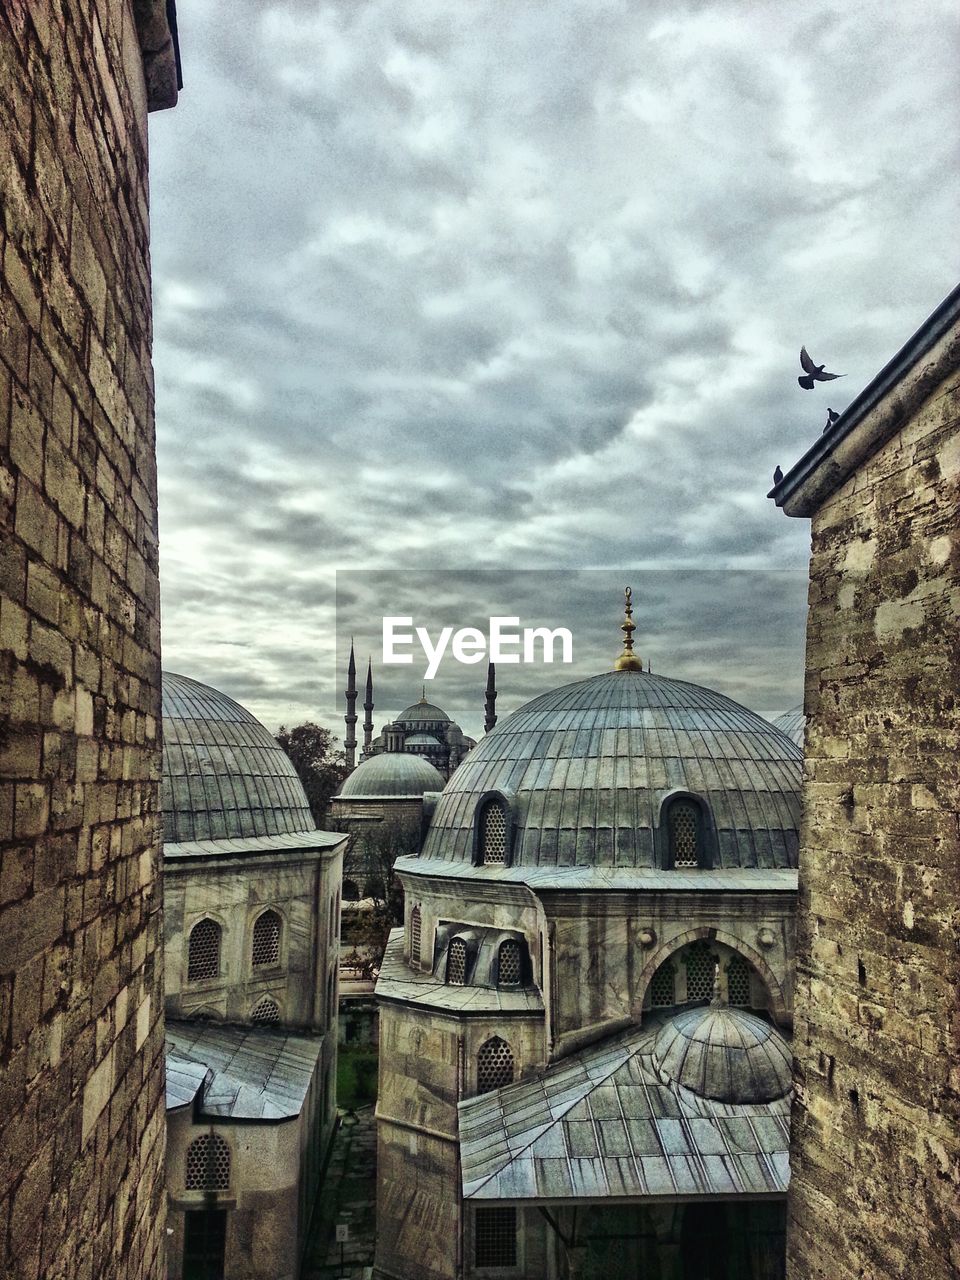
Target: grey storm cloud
(452, 286)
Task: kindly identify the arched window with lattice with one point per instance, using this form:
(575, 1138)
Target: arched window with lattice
(663, 988)
(509, 962)
(738, 982)
(457, 962)
(266, 1010)
(416, 926)
(492, 833)
(701, 966)
(266, 939)
(494, 1065)
(685, 833)
(208, 1164)
(203, 952)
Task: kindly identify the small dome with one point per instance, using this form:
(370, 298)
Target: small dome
(225, 776)
(393, 773)
(725, 1054)
(423, 712)
(793, 723)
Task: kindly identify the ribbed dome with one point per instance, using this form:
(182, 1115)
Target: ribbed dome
(421, 740)
(224, 774)
(793, 723)
(725, 1054)
(423, 712)
(393, 773)
(587, 767)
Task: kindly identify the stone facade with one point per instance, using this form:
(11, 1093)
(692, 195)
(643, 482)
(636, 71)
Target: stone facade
(81, 982)
(876, 1138)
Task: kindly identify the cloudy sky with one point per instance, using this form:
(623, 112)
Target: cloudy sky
(464, 286)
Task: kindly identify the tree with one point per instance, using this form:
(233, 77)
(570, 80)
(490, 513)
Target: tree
(373, 851)
(320, 767)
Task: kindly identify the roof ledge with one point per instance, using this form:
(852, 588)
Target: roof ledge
(878, 412)
(157, 29)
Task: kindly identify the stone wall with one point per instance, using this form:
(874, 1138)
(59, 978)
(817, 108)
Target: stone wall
(81, 989)
(876, 1150)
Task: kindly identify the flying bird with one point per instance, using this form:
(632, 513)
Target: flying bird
(832, 416)
(814, 372)
(777, 475)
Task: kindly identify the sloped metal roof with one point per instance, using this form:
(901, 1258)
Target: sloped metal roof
(224, 775)
(393, 774)
(184, 1079)
(248, 1074)
(293, 842)
(398, 981)
(588, 766)
(603, 1126)
(793, 723)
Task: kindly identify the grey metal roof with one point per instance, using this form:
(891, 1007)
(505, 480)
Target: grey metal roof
(250, 1074)
(613, 879)
(602, 1125)
(421, 740)
(224, 775)
(589, 764)
(296, 841)
(398, 981)
(184, 1079)
(726, 1054)
(793, 723)
(392, 773)
(423, 711)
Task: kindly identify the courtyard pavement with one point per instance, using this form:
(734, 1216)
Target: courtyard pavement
(347, 1198)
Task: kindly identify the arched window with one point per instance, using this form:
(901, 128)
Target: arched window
(685, 829)
(492, 833)
(738, 982)
(701, 967)
(663, 988)
(457, 962)
(508, 964)
(266, 939)
(208, 1164)
(494, 1065)
(351, 891)
(265, 1010)
(203, 954)
(416, 924)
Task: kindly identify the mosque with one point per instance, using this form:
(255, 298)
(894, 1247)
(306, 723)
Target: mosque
(585, 1019)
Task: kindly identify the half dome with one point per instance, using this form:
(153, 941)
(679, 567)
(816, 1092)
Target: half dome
(391, 774)
(586, 769)
(793, 723)
(725, 1054)
(224, 774)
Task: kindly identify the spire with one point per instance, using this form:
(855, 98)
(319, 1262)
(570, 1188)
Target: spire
(423, 694)
(628, 660)
(368, 710)
(350, 719)
(490, 699)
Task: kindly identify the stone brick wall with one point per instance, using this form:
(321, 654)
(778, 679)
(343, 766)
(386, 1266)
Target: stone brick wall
(81, 988)
(876, 1147)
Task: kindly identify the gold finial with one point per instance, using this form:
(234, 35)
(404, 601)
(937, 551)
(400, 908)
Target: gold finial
(628, 660)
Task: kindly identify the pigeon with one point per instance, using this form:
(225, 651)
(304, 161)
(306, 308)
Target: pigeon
(814, 372)
(832, 416)
(777, 475)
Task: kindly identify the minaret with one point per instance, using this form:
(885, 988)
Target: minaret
(350, 719)
(490, 699)
(368, 711)
(628, 660)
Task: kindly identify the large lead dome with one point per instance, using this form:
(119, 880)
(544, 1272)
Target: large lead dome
(585, 771)
(224, 774)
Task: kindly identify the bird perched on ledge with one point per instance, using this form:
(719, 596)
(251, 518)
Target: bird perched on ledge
(814, 372)
(777, 475)
(832, 416)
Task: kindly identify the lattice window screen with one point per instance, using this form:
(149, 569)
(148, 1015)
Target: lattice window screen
(457, 962)
(701, 968)
(494, 1065)
(416, 924)
(265, 1010)
(495, 1237)
(738, 982)
(203, 959)
(509, 964)
(493, 833)
(266, 939)
(684, 831)
(662, 988)
(208, 1164)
